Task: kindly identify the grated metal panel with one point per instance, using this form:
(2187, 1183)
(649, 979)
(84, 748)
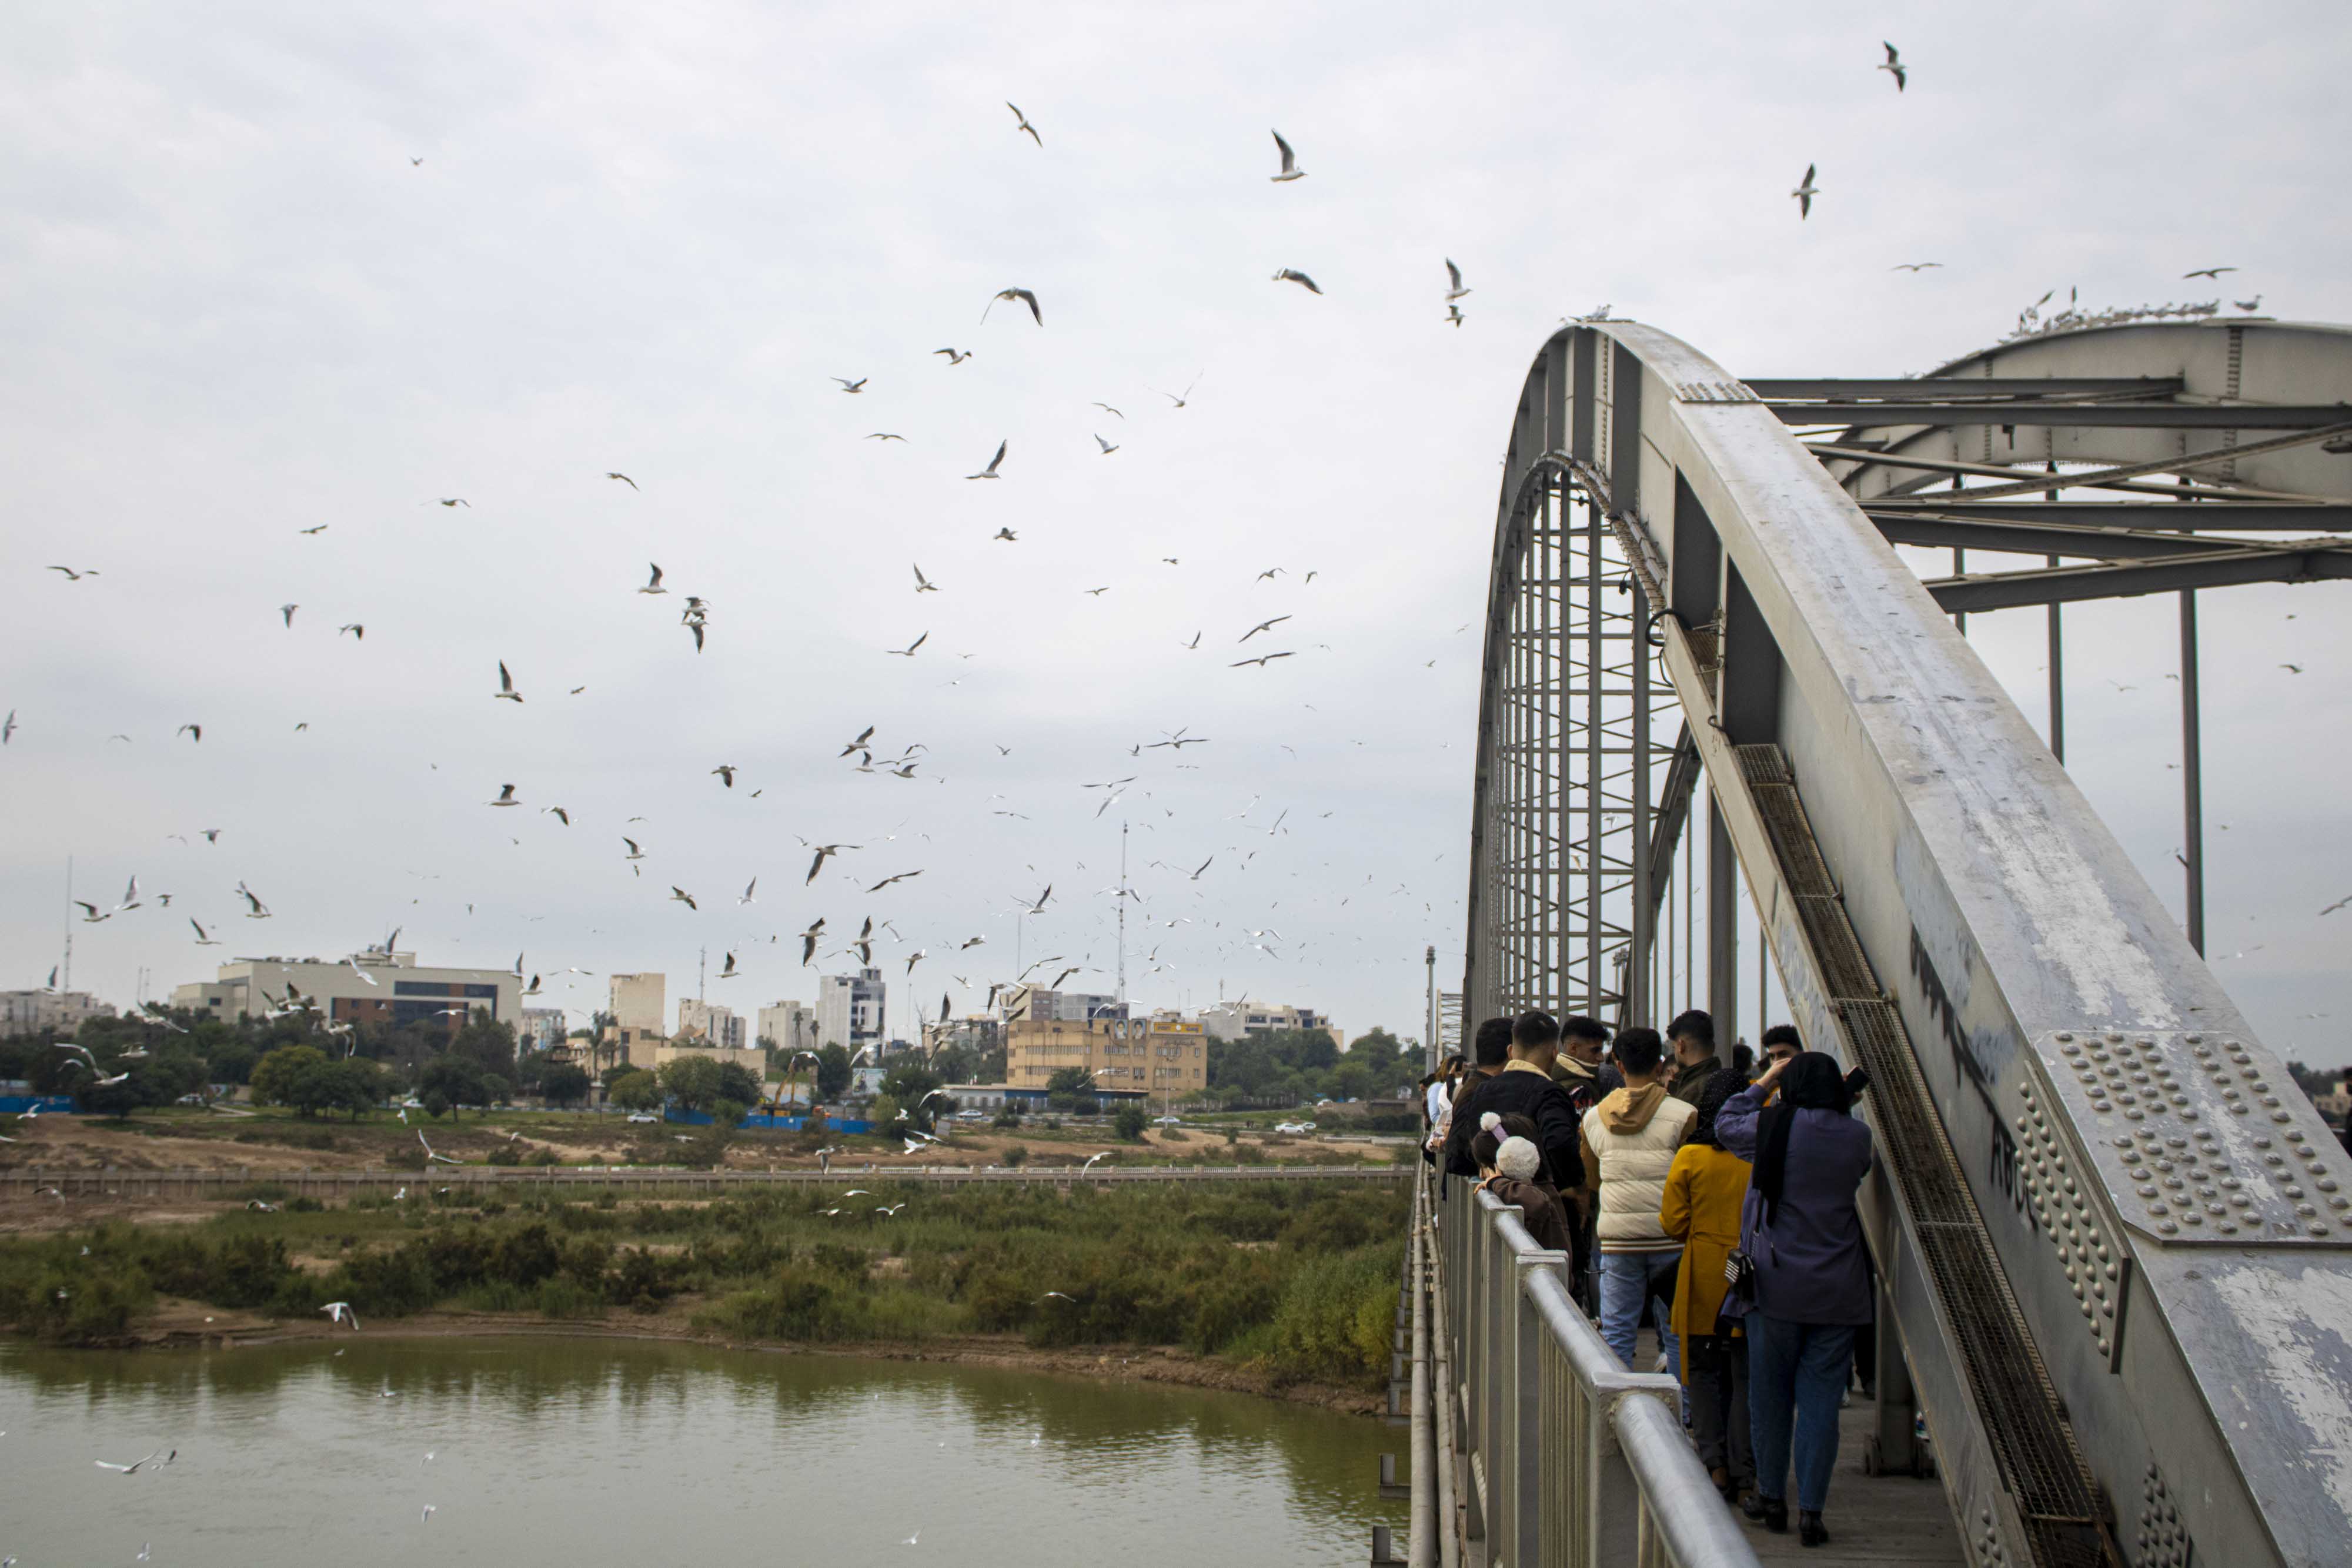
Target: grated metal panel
(2041, 1466)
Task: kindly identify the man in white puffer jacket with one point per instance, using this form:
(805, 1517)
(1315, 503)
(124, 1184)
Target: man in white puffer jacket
(1628, 1142)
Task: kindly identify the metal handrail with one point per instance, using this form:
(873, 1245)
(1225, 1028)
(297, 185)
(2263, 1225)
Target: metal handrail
(1563, 1457)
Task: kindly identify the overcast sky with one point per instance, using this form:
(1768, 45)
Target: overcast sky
(645, 239)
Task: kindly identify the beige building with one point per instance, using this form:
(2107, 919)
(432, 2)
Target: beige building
(711, 1023)
(638, 1001)
(788, 1026)
(1163, 1055)
(1231, 1020)
(30, 1013)
(370, 988)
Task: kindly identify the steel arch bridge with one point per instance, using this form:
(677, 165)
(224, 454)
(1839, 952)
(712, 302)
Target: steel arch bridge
(2114, 1240)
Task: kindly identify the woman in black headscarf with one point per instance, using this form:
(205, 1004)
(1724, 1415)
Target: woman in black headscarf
(1812, 1275)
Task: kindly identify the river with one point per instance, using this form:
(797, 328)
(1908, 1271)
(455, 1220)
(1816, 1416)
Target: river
(587, 1452)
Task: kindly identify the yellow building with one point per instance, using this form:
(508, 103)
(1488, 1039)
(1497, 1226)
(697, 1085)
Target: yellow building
(1164, 1057)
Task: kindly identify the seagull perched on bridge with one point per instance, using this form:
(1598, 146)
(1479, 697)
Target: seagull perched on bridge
(1290, 168)
(1804, 192)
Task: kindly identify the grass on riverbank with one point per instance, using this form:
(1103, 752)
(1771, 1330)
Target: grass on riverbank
(1298, 1280)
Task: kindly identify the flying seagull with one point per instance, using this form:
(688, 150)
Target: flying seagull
(654, 585)
(358, 631)
(1290, 168)
(990, 472)
(635, 854)
(955, 356)
(337, 1312)
(1914, 266)
(1107, 409)
(73, 576)
(1453, 280)
(1261, 662)
(885, 435)
(1893, 66)
(808, 940)
(850, 386)
(624, 478)
(1023, 295)
(1290, 274)
(749, 888)
(680, 896)
(449, 501)
(2212, 272)
(1262, 626)
(1107, 447)
(909, 651)
(824, 852)
(256, 910)
(506, 692)
(203, 940)
(922, 585)
(1023, 124)
(725, 774)
(7, 726)
(1454, 314)
(729, 972)
(1178, 401)
(1007, 535)
(287, 612)
(1804, 193)
(319, 529)
(886, 881)
(506, 797)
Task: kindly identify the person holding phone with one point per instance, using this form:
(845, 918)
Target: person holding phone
(1803, 1233)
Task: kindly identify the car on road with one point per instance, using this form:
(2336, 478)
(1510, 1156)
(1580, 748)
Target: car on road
(642, 1116)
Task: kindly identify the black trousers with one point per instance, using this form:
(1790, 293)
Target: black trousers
(1716, 1368)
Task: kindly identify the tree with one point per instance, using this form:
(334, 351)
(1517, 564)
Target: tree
(1071, 1090)
(488, 1043)
(274, 1074)
(564, 1084)
(737, 1082)
(694, 1082)
(634, 1090)
(833, 1072)
(1129, 1122)
(453, 1081)
(908, 1082)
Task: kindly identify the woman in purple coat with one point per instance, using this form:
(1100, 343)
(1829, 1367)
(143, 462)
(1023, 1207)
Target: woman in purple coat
(1812, 1279)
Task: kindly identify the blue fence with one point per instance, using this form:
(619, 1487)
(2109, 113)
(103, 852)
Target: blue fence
(789, 1124)
(17, 1104)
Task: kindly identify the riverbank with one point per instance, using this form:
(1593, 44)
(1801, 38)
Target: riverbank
(179, 1325)
(1258, 1287)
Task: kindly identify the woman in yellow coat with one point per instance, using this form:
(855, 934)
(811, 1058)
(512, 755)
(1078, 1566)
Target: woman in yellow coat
(1705, 1186)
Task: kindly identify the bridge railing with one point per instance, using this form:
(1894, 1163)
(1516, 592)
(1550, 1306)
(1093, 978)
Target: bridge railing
(1563, 1458)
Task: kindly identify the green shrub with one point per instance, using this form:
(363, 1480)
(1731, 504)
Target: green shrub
(1335, 1316)
(1017, 1156)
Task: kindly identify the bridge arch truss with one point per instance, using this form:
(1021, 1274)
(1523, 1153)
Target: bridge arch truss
(2115, 1241)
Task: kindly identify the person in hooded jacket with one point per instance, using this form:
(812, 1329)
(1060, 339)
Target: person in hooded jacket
(1629, 1143)
(1812, 1275)
(1705, 1189)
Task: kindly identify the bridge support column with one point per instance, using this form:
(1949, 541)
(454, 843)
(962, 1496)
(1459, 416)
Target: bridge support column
(1722, 928)
(1894, 1447)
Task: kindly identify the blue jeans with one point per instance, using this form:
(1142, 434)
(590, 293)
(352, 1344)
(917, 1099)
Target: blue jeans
(1626, 1282)
(1796, 1375)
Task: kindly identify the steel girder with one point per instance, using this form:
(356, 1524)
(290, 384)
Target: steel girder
(2115, 1238)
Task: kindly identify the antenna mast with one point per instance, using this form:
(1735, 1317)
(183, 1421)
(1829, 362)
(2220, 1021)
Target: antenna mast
(1122, 912)
(69, 964)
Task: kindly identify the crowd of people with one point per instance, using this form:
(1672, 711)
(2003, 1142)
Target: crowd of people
(1713, 1200)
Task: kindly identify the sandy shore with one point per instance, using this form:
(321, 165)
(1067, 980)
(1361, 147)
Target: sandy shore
(177, 1325)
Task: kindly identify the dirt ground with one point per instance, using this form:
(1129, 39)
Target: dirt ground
(189, 1325)
(69, 1143)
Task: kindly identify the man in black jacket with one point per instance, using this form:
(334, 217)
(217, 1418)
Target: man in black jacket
(1524, 1085)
